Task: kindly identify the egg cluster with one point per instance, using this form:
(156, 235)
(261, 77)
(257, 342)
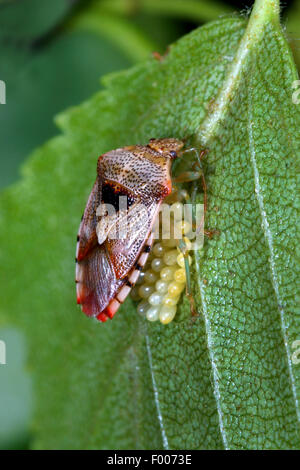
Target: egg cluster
(163, 279)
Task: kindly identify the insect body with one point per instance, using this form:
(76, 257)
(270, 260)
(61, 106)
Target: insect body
(108, 263)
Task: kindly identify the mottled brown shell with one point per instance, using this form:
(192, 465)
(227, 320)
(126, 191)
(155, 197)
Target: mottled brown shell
(105, 272)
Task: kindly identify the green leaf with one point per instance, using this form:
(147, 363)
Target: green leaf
(195, 10)
(127, 37)
(293, 30)
(22, 25)
(61, 74)
(161, 20)
(226, 379)
(22, 22)
(45, 74)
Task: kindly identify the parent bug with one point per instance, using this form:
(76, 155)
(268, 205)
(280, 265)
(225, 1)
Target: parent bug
(107, 264)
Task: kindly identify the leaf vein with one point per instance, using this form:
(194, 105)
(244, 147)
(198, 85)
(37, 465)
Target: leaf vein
(269, 239)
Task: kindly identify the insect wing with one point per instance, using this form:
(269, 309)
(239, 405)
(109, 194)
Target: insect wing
(135, 230)
(96, 281)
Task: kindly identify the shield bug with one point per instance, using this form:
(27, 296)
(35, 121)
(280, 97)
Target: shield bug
(113, 242)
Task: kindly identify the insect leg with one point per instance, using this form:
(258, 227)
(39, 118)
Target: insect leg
(183, 249)
(199, 173)
(188, 176)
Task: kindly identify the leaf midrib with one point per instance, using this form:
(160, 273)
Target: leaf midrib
(263, 10)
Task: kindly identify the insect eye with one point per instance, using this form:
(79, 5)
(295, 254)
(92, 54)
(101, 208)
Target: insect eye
(173, 154)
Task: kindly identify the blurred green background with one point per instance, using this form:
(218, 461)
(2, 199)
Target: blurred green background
(53, 54)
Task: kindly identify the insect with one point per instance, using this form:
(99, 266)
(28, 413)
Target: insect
(108, 266)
